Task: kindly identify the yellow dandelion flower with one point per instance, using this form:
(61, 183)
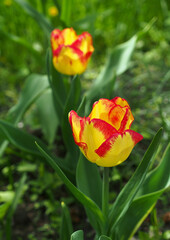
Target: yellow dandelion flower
(53, 11)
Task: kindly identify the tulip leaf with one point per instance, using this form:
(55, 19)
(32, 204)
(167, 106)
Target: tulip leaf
(19, 138)
(142, 205)
(103, 237)
(3, 209)
(6, 196)
(23, 140)
(18, 194)
(47, 115)
(40, 19)
(34, 86)
(71, 104)
(135, 215)
(78, 235)
(56, 83)
(81, 109)
(66, 9)
(89, 180)
(158, 178)
(117, 63)
(66, 225)
(128, 193)
(21, 42)
(86, 201)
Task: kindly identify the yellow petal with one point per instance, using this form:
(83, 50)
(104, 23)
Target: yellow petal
(117, 149)
(120, 117)
(69, 61)
(94, 133)
(101, 109)
(84, 43)
(75, 122)
(69, 36)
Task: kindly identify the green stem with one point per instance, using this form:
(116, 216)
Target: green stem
(105, 197)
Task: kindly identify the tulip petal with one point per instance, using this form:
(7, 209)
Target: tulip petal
(120, 101)
(94, 133)
(76, 125)
(100, 109)
(56, 39)
(84, 43)
(69, 60)
(120, 117)
(117, 148)
(69, 36)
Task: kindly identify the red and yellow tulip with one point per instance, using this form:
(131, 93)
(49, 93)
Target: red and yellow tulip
(104, 137)
(71, 52)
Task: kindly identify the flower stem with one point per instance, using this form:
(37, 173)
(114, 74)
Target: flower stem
(105, 196)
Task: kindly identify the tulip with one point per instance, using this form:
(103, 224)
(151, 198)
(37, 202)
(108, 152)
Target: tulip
(71, 52)
(105, 137)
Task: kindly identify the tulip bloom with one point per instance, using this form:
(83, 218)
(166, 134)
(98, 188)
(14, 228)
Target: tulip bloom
(71, 52)
(104, 137)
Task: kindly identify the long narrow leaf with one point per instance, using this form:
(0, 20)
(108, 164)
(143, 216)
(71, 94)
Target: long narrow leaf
(135, 215)
(66, 9)
(86, 201)
(78, 235)
(57, 86)
(34, 86)
(40, 19)
(158, 178)
(117, 63)
(66, 225)
(11, 210)
(89, 180)
(104, 238)
(128, 193)
(155, 184)
(71, 104)
(24, 141)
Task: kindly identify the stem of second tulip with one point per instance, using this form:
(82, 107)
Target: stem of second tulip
(105, 198)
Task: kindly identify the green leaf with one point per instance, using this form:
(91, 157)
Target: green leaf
(158, 178)
(81, 109)
(128, 193)
(86, 201)
(66, 224)
(3, 209)
(6, 196)
(135, 215)
(12, 208)
(71, 104)
(117, 63)
(40, 19)
(19, 138)
(156, 182)
(89, 180)
(103, 237)
(23, 140)
(21, 42)
(47, 115)
(78, 235)
(34, 86)
(66, 9)
(57, 86)
(90, 19)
